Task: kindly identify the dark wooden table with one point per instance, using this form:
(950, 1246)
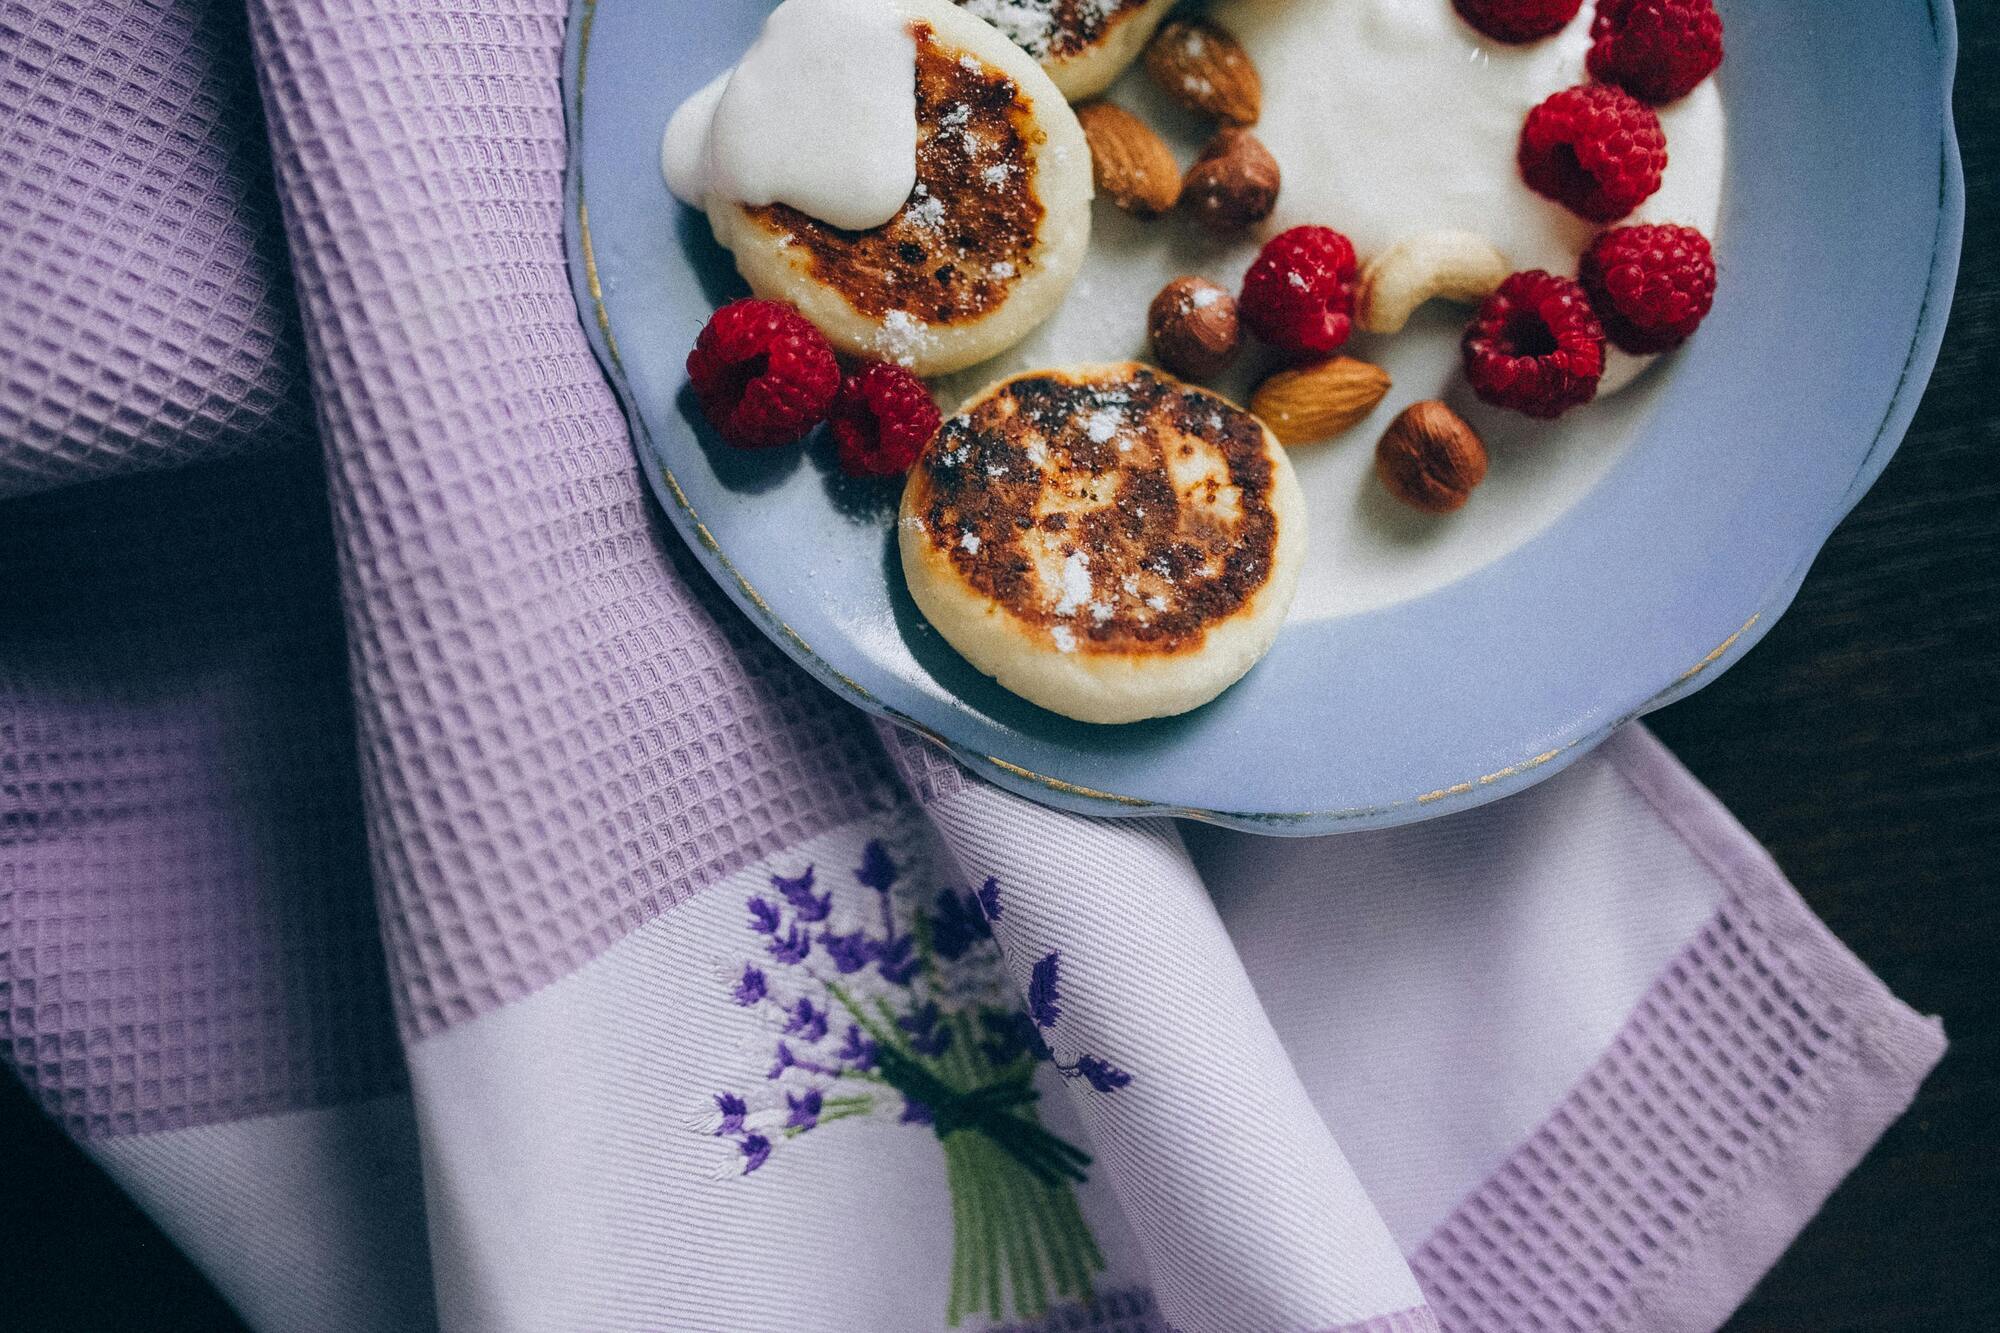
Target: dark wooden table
(1860, 742)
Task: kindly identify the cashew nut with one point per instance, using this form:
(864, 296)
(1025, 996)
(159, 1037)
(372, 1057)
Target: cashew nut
(1455, 265)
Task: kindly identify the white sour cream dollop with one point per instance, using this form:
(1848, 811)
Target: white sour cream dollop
(820, 114)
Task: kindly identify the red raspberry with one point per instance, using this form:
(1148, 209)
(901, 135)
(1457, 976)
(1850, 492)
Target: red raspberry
(1655, 49)
(1535, 346)
(1518, 20)
(1299, 295)
(881, 421)
(1651, 286)
(764, 375)
(1596, 150)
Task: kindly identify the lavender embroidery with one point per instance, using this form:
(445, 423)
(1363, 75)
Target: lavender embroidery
(1104, 1077)
(1045, 1007)
(798, 892)
(888, 1003)
(790, 948)
(850, 953)
(876, 871)
(1044, 1004)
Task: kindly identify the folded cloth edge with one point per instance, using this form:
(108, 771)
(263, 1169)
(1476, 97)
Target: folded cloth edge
(1752, 1077)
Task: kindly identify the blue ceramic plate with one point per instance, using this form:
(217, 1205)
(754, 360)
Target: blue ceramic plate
(1843, 219)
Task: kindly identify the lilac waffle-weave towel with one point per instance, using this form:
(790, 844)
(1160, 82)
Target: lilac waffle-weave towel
(435, 905)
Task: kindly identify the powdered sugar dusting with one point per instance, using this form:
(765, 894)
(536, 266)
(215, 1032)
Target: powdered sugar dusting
(925, 209)
(1075, 583)
(901, 337)
(1042, 27)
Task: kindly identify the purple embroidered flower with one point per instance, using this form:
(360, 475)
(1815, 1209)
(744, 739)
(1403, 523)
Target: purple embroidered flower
(850, 953)
(957, 924)
(804, 1110)
(953, 1052)
(1009, 1036)
(1044, 1003)
(1103, 1076)
(858, 1050)
(783, 1059)
(876, 870)
(896, 960)
(790, 948)
(798, 892)
(927, 1035)
(933, 1043)
(806, 1020)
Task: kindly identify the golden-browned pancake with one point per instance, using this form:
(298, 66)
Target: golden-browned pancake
(990, 238)
(1083, 44)
(1107, 542)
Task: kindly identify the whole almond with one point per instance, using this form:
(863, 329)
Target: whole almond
(1319, 401)
(1132, 164)
(1430, 458)
(1204, 68)
(1233, 184)
(1193, 326)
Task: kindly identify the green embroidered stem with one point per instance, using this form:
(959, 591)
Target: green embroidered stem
(881, 1036)
(1019, 1243)
(995, 1233)
(1073, 1254)
(983, 1241)
(1006, 1246)
(1017, 1233)
(1028, 1268)
(1069, 1236)
(837, 1108)
(960, 1303)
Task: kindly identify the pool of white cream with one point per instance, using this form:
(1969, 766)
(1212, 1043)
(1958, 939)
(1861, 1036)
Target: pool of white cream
(1387, 117)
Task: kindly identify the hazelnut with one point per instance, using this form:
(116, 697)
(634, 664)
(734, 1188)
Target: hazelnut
(1233, 184)
(1430, 459)
(1193, 326)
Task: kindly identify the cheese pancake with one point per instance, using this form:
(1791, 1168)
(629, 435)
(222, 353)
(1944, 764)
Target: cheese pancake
(1107, 542)
(992, 233)
(1083, 44)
